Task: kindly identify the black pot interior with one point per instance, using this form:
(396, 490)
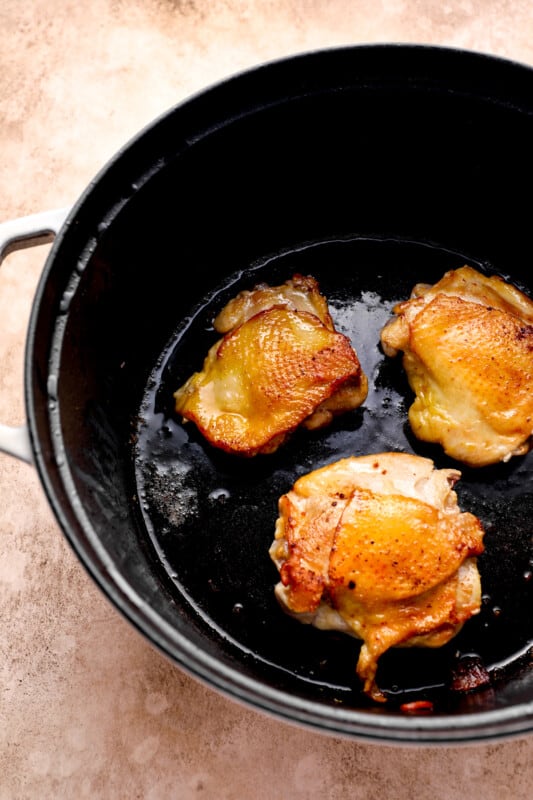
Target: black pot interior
(372, 169)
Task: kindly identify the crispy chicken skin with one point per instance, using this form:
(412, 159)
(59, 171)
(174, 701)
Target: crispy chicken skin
(467, 347)
(279, 364)
(377, 547)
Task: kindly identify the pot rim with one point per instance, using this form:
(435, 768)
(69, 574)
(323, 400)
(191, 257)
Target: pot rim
(436, 729)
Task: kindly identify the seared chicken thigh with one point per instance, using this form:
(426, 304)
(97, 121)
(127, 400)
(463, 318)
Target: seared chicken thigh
(468, 354)
(377, 547)
(280, 364)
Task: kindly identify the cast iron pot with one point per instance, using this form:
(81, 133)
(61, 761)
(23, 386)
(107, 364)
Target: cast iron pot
(371, 168)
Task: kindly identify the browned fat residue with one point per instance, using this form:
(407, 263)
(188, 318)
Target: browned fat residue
(417, 707)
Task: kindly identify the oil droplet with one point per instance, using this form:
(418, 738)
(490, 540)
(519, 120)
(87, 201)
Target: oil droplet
(238, 608)
(528, 575)
(497, 611)
(219, 495)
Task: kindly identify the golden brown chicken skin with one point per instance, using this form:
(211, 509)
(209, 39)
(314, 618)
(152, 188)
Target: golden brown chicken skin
(279, 365)
(377, 547)
(467, 347)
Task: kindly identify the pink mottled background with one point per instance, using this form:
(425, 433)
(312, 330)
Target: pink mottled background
(87, 707)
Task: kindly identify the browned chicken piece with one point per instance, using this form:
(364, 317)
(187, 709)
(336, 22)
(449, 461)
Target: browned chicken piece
(279, 365)
(467, 347)
(377, 547)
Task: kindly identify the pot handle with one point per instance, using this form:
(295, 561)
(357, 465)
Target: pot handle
(18, 234)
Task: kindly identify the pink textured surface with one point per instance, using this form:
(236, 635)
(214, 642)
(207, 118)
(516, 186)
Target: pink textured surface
(87, 707)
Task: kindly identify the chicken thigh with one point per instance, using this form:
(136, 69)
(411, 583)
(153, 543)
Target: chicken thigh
(468, 354)
(377, 547)
(279, 364)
